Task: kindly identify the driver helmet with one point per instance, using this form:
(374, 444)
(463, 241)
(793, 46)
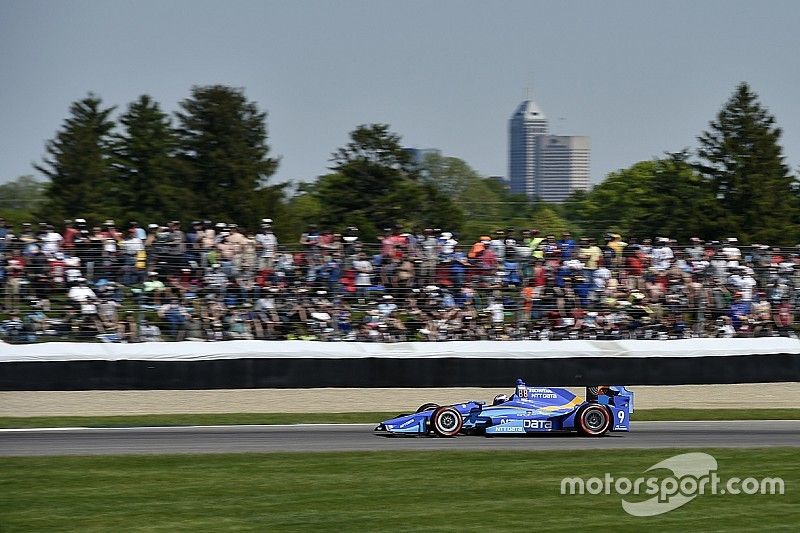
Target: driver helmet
(500, 398)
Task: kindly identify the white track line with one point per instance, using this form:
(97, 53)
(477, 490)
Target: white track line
(334, 425)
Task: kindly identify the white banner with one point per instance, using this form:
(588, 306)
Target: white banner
(206, 351)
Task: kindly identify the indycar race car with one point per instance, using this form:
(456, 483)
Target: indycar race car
(528, 410)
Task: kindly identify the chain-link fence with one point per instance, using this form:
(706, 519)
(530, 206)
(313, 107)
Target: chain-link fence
(168, 285)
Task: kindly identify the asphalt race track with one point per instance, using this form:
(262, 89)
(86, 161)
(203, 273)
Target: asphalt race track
(359, 437)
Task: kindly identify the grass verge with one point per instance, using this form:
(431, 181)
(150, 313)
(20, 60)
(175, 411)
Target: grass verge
(352, 418)
(464, 491)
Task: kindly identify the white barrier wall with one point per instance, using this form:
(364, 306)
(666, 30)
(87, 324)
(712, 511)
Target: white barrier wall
(210, 351)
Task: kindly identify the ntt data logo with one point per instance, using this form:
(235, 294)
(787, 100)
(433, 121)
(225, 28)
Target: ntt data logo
(693, 474)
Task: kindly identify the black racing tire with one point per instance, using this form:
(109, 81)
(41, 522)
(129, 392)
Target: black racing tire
(446, 421)
(593, 420)
(427, 406)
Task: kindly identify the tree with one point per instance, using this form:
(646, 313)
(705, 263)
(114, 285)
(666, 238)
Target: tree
(375, 184)
(683, 203)
(480, 203)
(148, 173)
(621, 203)
(486, 204)
(78, 163)
(24, 193)
(659, 197)
(741, 157)
(223, 139)
(20, 198)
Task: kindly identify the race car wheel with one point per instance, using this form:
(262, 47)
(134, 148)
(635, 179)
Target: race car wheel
(446, 421)
(593, 421)
(427, 406)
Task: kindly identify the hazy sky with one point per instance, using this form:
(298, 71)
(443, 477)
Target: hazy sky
(638, 77)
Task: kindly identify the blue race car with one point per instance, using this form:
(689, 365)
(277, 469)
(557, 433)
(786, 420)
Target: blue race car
(528, 410)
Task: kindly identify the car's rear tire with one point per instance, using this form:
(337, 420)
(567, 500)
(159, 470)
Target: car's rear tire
(427, 406)
(593, 420)
(446, 421)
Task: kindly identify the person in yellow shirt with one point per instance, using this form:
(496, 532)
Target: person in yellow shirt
(535, 245)
(590, 254)
(618, 245)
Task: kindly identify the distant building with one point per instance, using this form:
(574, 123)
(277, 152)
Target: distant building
(562, 166)
(548, 167)
(525, 126)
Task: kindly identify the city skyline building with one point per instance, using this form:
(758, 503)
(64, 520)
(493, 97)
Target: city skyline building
(526, 125)
(544, 166)
(562, 166)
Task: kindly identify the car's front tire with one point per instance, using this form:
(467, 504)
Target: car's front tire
(446, 421)
(427, 406)
(593, 420)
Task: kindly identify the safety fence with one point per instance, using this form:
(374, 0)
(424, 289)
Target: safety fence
(359, 292)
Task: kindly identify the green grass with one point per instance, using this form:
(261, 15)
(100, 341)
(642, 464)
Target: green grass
(716, 414)
(406, 491)
(342, 418)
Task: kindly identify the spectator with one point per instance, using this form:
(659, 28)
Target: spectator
(4, 236)
(175, 316)
(228, 283)
(153, 289)
(267, 245)
(15, 275)
(364, 270)
(81, 293)
(51, 241)
(149, 332)
(662, 254)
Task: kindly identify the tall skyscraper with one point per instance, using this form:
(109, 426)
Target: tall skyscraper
(548, 167)
(526, 125)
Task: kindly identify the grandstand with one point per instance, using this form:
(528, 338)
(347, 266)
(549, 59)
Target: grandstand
(217, 282)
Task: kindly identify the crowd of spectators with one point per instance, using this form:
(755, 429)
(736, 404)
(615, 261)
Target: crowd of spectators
(216, 281)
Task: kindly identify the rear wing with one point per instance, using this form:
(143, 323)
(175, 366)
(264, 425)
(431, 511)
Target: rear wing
(594, 394)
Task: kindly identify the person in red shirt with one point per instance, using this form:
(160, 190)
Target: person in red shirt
(539, 277)
(777, 256)
(488, 262)
(57, 268)
(578, 314)
(70, 233)
(110, 231)
(15, 271)
(635, 265)
(399, 243)
(388, 243)
(784, 317)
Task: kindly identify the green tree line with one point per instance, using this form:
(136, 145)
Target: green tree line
(211, 160)
(735, 184)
